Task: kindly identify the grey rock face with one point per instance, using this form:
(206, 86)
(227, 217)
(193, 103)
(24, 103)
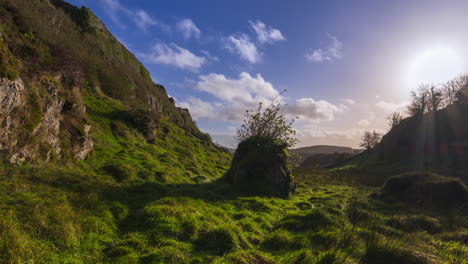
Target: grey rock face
(11, 97)
(19, 143)
(86, 144)
(259, 167)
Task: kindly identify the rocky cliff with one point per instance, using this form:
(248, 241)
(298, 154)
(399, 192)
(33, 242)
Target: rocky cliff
(49, 52)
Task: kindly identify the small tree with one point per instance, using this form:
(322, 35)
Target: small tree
(369, 140)
(435, 98)
(394, 119)
(419, 101)
(451, 90)
(270, 123)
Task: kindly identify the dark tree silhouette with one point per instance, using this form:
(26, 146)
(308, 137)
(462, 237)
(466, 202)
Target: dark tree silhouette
(394, 119)
(370, 139)
(419, 101)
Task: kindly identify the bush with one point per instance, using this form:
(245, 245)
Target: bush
(269, 123)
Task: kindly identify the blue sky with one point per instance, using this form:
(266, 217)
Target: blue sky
(345, 64)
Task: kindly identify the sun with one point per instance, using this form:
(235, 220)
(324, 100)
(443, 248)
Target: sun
(434, 66)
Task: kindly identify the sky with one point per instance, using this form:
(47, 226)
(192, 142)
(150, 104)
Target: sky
(345, 65)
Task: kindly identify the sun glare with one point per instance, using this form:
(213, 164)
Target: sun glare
(434, 66)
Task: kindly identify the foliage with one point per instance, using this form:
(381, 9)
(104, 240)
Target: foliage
(452, 89)
(434, 97)
(370, 139)
(419, 101)
(270, 123)
(394, 119)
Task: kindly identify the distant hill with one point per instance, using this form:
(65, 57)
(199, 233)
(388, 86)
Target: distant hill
(325, 160)
(306, 152)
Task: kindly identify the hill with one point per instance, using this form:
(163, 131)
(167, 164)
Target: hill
(325, 160)
(436, 142)
(305, 152)
(57, 60)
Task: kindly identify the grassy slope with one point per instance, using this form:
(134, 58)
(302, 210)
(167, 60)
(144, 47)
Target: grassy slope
(75, 214)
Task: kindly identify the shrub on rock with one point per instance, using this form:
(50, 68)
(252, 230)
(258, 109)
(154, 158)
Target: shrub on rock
(260, 167)
(260, 163)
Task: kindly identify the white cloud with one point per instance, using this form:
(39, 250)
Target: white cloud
(209, 56)
(234, 96)
(349, 101)
(364, 123)
(328, 54)
(188, 28)
(311, 136)
(309, 109)
(143, 20)
(246, 89)
(266, 34)
(199, 108)
(245, 48)
(140, 17)
(173, 55)
(389, 107)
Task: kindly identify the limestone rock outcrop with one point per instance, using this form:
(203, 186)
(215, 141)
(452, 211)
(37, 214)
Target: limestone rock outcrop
(259, 167)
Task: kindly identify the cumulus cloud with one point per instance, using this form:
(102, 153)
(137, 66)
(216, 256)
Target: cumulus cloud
(327, 54)
(173, 55)
(244, 47)
(234, 96)
(309, 109)
(246, 89)
(266, 34)
(188, 28)
(199, 108)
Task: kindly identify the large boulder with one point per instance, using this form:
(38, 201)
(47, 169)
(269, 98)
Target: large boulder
(259, 167)
(426, 189)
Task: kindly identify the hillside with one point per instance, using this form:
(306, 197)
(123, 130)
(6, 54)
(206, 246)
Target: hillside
(435, 142)
(55, 58)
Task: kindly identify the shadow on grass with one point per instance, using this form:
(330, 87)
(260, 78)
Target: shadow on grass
(138, 196)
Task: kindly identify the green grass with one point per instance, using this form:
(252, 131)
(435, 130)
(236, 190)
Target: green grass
(72, 215)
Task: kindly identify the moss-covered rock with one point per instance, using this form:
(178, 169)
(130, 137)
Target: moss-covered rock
(260, 167)
(425, 189)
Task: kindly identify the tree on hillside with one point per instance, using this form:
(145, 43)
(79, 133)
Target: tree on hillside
(419, 101)
(394, 119)
(270, 123)
(370, 139)
(452, 89)
(435, 98)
